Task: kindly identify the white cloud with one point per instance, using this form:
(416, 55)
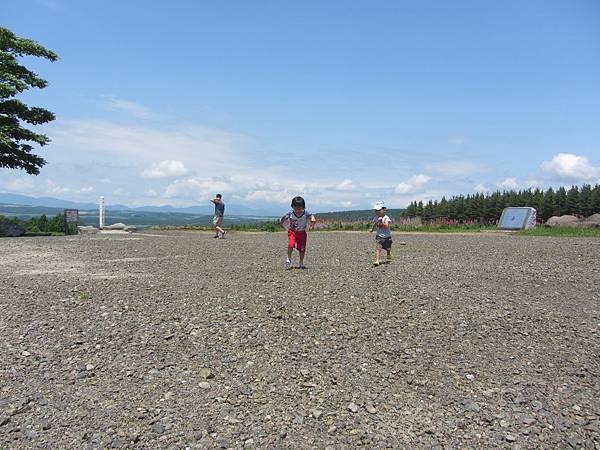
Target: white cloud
(508, 183)
(165, 169)
(119, 192)
(19, 185)
(480, 188)
(458, 141)
(196, 189)
(346, 185)
(132, 108)
(198, 147)
(456, 168)
(53, 188)
(412, 184)
(533, 183)
(268, 196)
(570, 166)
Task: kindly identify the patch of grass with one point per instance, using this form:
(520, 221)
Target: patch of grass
(84, 296)
(561, 232)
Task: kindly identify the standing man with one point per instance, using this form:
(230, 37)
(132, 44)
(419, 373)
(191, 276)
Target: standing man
(219, 213)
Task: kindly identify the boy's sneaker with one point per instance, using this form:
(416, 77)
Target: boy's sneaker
(389, 256)
(216, 236)
(287, 264)
(301, 266)
(376, 263)
(223, 235)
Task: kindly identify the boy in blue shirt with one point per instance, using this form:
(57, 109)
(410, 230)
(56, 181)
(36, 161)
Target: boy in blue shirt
(383, 237)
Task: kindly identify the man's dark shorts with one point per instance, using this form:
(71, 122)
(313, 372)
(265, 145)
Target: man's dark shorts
(384, 243)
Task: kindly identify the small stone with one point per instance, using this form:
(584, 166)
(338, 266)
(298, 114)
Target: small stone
(353, 407)
(89, 367)
(470, 405)
(510, 437)
(519, 400)
(249, 442)
(116, 443)
(371, 409)
(572, 440)
(528, 420)
(30, 434)
(26, 353)
(158, 427)
(204, 385)
(206, 373)
(470, 377)
(332, 429)
(316, 413)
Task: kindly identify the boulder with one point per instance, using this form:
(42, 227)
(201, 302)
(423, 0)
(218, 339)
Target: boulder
(562, 221)
(10, 229)
(591, 222)
(119, 227)
(115, 226)
(574, 222)
(87, 230)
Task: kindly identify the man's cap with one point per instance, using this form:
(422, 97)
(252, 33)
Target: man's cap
(379, 205)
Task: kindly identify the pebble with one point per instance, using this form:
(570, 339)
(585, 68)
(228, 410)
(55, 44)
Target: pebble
(353, 407)
(158, 427)
(316, 413)
(204, 385)
(206, 373)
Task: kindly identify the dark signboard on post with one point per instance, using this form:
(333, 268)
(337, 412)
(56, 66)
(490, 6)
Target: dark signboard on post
(71, 216)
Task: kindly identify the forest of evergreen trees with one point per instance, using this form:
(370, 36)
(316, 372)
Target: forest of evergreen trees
(581, 201)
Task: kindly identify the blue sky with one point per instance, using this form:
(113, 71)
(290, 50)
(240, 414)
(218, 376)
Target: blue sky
(346, 103)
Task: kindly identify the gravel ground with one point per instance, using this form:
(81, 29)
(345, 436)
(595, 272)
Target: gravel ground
(178, 339)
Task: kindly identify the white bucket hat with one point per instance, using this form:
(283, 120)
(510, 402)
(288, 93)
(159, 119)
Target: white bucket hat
(379, 205)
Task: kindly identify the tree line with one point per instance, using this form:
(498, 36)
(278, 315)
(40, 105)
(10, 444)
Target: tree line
(40, 224)
(487, 208)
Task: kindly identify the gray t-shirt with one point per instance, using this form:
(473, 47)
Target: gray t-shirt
(219, 209)
(382, 231)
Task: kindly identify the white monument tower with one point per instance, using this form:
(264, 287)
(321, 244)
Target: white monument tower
(101, 213)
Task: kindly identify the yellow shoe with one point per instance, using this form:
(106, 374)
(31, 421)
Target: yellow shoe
(376, 263)
(389, 256)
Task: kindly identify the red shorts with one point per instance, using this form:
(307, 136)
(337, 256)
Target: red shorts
(297, 239)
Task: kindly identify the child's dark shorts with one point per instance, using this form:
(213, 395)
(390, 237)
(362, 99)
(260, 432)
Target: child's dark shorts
(384, 243)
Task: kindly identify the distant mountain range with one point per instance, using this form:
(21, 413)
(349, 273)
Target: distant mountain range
(51, 202)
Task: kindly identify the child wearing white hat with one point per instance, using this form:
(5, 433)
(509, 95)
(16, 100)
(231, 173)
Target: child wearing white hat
(383, 237)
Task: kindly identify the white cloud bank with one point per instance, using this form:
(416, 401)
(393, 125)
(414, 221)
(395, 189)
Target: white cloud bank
(165, 169)
(508, 183)
(570, 166)
(412, 184)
